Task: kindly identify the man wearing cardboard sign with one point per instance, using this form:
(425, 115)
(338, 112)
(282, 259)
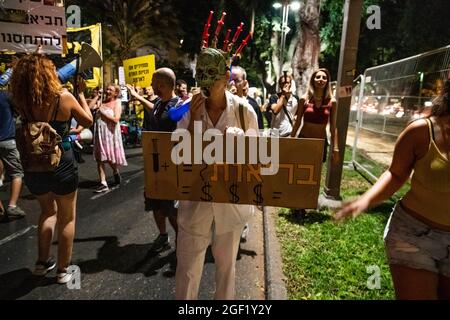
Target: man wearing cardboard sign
(199, 221)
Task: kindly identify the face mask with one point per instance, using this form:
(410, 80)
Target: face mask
(211, 66)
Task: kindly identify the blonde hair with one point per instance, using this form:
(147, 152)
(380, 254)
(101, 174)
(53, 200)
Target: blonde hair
(116, 89)
(34, 84)
(312, 88)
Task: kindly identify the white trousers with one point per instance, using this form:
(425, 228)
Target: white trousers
(200, 224)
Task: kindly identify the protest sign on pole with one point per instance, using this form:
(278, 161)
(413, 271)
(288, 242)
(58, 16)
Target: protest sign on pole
(139, 71)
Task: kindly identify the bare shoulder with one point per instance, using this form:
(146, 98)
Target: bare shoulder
(417, 131)
(65, 95)
(418, 125)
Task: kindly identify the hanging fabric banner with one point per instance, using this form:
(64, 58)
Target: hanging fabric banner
(26, 24)
(91, 35)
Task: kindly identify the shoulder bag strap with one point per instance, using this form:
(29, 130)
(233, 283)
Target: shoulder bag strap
(241, 116)
(55, 111)
(287, 114)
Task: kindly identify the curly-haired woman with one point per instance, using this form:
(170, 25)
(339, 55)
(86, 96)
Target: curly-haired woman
(38, 95)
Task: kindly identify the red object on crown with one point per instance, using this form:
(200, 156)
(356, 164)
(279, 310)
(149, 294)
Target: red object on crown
(227, 46)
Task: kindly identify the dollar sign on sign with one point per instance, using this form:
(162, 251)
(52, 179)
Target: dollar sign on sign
(258, 193)
(206, 192)
(233, 190)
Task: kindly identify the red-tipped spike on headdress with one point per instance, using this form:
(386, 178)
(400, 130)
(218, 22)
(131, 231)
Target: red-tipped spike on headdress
(226, 41)
(238, 31)
(220, 23)
(243, 43)
(205, 35)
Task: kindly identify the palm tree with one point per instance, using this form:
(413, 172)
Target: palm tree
(129, 25)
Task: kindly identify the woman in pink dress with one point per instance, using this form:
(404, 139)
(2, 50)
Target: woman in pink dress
(108, 147)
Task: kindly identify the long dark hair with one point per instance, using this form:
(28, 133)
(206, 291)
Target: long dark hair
(441, 105)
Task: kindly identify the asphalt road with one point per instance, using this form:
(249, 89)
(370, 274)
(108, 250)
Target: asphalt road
(113, 236)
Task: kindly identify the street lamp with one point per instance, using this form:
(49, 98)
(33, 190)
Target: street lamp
(294, 6)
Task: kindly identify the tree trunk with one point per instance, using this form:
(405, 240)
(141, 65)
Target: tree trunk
(306, 55)
(274, 43)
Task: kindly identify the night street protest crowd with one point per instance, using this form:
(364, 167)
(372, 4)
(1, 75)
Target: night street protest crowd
(417, 235)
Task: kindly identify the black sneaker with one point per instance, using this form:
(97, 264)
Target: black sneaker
(117, 179)
(171, 270)
(101, 188)
(160, 244)
(42, 268)
(299, 214)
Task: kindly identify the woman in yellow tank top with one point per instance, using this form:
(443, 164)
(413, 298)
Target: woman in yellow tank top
(417, 236)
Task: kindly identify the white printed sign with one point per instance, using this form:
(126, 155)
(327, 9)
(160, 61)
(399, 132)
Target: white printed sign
(121, 76)
(26, 24)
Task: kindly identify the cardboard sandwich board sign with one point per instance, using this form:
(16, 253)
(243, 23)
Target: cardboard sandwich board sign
(295, 185)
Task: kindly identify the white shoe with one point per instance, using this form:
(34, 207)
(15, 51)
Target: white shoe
(245, 232)
(63, 277)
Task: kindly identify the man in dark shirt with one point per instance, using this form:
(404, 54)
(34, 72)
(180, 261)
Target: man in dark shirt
(157, 119)
(9, 155)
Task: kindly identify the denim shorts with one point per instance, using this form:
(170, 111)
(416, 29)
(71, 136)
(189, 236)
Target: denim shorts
(11, 158)
(412, 243)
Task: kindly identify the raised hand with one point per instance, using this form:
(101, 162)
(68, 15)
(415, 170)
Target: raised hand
(286, 89)
(133, 92)
(195, 108)
(352, 208)
(81, 84)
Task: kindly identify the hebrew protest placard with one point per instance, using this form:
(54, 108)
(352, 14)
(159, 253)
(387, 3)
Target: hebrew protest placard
(296, 183)
(139, 71)
(26, 24)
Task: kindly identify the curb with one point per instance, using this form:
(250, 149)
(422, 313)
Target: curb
(274, 278)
